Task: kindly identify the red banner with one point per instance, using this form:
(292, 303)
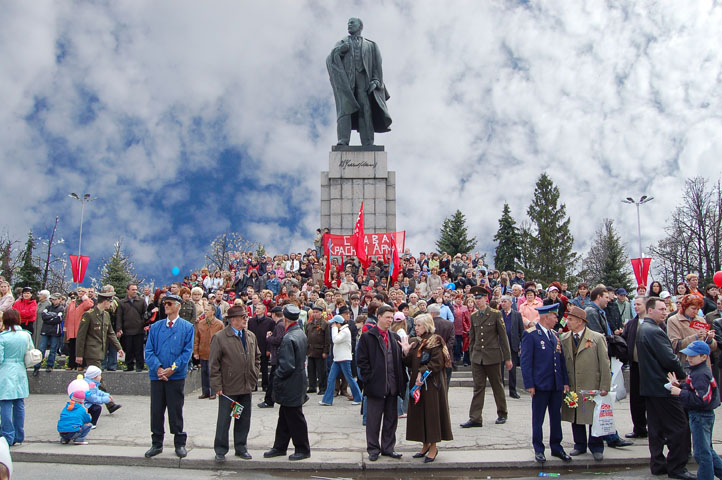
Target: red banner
(358, 238)
(378, 245)
(641, 269)
(79, 265)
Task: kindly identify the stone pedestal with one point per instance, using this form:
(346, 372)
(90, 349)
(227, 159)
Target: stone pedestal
(355, 175)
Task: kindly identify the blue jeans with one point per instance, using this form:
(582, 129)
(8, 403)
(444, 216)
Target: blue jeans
(51, 343)
(701, 423)
(345, 368)
(78, 436)
(110, 362)
(12, 416)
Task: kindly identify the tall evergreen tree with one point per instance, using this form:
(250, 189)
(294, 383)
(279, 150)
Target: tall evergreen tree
(606, 261)
(29, 273)
(508, 251)
(6, 264)
(118, 271)
(551, 241)
(454, 236)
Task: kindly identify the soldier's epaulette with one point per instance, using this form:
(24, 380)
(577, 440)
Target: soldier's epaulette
(532, 328)
(493, 310)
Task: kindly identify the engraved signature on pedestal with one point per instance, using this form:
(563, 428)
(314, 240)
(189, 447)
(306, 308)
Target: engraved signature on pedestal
(349, 163)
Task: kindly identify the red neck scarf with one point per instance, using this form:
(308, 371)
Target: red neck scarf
(385, 335)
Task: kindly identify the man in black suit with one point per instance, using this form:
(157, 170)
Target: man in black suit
(514, 329)
(636, 401)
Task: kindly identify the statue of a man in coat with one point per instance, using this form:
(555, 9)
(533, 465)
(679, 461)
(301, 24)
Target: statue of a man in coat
(354, 68)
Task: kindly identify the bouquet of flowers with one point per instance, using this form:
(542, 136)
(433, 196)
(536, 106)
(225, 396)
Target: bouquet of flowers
(571, 399)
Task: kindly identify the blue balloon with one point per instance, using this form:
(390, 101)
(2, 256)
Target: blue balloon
(451, 286)
(175, 271)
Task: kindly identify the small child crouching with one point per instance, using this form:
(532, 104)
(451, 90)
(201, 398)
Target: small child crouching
(95, 397)
(75, 422)
(700, 396)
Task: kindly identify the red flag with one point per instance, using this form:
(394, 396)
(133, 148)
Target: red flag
(641, 269)
(327, 252)
(357, 239)
(394, 263)
(79, 265)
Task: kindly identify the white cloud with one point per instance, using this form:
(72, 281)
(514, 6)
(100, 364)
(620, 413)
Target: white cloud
(611, 100)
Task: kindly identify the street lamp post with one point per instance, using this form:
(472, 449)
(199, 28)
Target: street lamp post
(644, 199)
(85, 199)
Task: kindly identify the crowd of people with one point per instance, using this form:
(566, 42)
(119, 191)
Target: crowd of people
(394, 342)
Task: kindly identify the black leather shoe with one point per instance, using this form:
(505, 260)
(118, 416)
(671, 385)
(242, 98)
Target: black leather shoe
(274, 453)
(264, 405)
(180, 450)
(563, 455)
(311, 390)
(244, 455)
(500, 420)
(299, 456)
(470, 424)
(36, 372)
(598, 456)
(682, 475)
(514, 395)
(220, 458)
(576, 452)
(373, 456)
(620, 443)
(153, 451)
(395, 455)
(114, 408)
(636, 435)
(539, 457)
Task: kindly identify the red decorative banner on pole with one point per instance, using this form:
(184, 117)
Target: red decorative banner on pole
(358, 238)
(394, 263)
(79, 265)
(641, 269)
(377, 245)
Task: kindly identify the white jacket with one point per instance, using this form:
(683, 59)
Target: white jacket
(341, 339)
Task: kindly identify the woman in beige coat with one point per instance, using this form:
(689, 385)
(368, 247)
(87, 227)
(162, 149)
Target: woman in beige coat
(585, 353)
(680, 330)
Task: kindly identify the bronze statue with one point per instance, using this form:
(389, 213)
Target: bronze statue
(354, 68)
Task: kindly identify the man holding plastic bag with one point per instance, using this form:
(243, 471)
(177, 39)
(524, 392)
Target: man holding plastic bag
(585, 353)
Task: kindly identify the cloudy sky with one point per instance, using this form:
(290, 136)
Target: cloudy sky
(188, 119)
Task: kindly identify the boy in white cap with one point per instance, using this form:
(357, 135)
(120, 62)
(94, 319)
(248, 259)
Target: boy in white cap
(96, 395)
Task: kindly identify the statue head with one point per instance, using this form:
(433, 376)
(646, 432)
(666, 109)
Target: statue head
(355, 26)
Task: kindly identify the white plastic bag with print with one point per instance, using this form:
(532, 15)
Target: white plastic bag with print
(603, 416)
(618, 380)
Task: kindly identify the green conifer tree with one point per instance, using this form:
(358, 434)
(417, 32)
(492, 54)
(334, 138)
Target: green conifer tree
(454, 237)
(118, 271)
(29, 273)
(607, 261)
(551, 241)
(508, 251)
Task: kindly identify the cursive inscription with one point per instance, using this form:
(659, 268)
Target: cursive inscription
(348, 163)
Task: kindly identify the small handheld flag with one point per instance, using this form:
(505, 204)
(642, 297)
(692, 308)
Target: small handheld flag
(416, 390)
(236, 408)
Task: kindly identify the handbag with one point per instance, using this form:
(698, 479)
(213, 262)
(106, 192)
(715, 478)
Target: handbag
(33, 356)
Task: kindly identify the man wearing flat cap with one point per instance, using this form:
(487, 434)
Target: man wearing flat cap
(289, 383)
(167, 353)
(588, 367)
(544, 371)
(318, 338)
(488, 349)
(234, 364)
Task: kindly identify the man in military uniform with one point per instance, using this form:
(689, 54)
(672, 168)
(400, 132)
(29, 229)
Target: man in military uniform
(488, 348)
(544, 371)
(95, 333)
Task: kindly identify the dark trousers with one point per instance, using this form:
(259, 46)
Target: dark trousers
(317, 373)
(636, 401)
(133, 347)
(240, 426)
(101, 386)
(579, 432)
(667, 424)
(264, 371)
(480, 373)
(167, 396)
(540, 403)
(292, 425)
(269, 391)
(512, 372)
(458, 344)
(378, 410)
(206, 378)
(94, 412)
(71, 354)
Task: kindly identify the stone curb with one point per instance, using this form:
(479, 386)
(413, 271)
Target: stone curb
(203, 459)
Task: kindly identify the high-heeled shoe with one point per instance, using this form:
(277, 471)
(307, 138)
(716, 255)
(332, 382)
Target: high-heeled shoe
(428, 459)
(421, 454)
